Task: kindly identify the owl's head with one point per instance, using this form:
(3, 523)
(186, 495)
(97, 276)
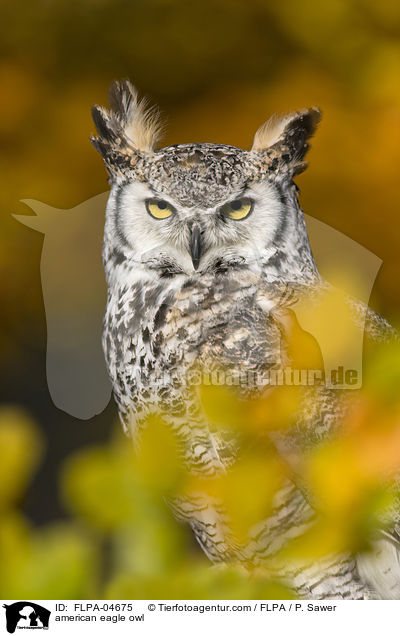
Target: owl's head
(194, 207)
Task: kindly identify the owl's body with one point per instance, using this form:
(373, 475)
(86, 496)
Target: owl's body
(205, 250)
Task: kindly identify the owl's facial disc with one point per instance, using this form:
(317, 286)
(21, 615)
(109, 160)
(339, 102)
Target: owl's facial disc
(161, 231)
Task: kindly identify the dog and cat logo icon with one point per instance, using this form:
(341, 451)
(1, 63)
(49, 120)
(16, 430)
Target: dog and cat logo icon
(26, 615)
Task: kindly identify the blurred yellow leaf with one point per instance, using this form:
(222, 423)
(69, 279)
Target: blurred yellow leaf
(158, 464)
(20, 451)
(56, 562)
(99, 487)
(200, 581)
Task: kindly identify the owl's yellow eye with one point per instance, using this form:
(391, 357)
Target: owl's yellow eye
(237, 210)
(159, 209)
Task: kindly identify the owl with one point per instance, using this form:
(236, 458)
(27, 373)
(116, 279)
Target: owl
(206, 253)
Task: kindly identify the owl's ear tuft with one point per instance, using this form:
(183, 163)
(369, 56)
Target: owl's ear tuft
(130, 126)
(141, 124)
(287, 137)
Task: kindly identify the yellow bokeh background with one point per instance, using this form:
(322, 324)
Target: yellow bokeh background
(217, 70)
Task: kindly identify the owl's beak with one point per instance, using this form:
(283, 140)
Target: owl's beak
(195, 245)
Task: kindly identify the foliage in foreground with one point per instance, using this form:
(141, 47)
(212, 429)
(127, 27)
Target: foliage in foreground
(122, 541)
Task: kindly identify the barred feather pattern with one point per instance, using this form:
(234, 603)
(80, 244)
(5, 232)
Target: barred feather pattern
(157, 330)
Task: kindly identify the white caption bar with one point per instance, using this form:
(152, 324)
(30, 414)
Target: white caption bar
(184, 617)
